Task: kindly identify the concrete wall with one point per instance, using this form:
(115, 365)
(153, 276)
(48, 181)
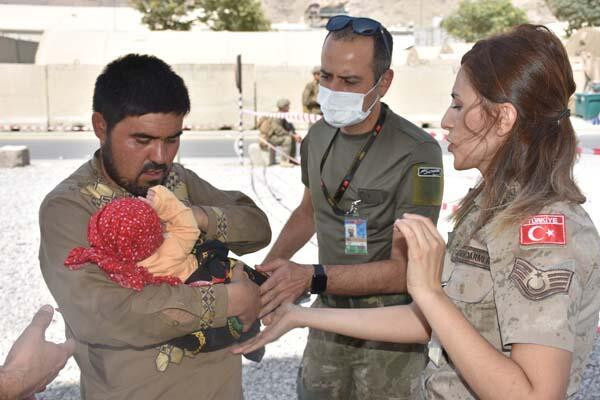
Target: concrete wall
(420, 93)
(195, 47)
(25, 89)
(214, 96)
(23, 94)
(273, 83)
(70, 91)
(275, 48)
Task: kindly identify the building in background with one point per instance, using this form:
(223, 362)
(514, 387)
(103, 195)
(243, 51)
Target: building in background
(317, 15)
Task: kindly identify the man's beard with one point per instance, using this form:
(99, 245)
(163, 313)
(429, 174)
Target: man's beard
(131, 187)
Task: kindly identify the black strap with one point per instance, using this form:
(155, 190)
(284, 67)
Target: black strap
(334, 201)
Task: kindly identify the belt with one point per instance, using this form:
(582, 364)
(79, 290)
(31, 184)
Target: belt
(381, 300)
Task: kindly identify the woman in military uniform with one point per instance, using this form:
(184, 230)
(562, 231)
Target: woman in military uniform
(516, 313)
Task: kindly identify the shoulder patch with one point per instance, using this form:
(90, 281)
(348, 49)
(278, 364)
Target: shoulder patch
(425, 172)
(427, 185)
(535, 284)
(543, 229)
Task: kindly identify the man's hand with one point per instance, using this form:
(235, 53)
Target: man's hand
(287, 282)
(32, 362)
(243, 298)
(297, 137)
(201, 218)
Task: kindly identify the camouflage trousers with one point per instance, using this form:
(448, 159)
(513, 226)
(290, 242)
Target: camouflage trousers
(287, 143)
(339, 367)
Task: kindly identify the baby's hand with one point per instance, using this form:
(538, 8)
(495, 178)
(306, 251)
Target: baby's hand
(151, 199)
(151, 195)
(145, 200)
(162, 201)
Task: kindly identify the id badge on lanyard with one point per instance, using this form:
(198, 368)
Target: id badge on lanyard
(355, 231)
(355, 228)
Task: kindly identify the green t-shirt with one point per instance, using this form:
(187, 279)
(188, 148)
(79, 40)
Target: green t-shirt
(402, 172)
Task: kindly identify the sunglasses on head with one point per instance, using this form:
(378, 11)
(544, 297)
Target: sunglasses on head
(360, 25)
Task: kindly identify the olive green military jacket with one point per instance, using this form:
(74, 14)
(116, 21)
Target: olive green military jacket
(401, 173)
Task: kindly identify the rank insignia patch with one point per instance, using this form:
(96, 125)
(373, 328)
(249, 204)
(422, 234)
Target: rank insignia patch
(543, 229)
(536, 284)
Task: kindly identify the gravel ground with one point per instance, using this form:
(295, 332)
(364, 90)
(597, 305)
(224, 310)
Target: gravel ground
(22, 289)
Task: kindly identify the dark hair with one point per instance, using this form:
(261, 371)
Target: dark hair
(382, 60)
(527, 67)
(135, 85)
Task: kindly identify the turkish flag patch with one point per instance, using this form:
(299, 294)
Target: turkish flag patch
(544, 229)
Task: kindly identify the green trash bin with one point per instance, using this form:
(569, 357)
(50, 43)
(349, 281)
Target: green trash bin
(587, 105)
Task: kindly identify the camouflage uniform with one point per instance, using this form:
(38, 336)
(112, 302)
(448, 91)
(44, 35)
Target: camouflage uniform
(389, 182)
(534, 283)
(309, 98)
(278, 132)
(341, 367)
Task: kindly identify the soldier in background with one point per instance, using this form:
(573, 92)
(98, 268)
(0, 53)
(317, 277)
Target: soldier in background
(309, 95)
(280, 132)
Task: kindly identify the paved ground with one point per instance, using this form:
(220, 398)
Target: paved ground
(276, 190)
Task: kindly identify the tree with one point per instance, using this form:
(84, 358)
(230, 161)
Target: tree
(476, 19)
(233, 15)
(578, 13)
(162, 15)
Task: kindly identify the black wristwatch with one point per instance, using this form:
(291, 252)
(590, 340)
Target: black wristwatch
(319, 280)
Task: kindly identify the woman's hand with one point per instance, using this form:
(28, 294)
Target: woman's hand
(426, 250)
(277, 324)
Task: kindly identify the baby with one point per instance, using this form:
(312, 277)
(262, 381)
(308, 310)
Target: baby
(154, 240)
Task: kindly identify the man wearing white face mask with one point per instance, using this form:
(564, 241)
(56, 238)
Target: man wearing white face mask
(363, 166)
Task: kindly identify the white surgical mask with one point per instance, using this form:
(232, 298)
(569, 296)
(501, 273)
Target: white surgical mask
(342, 109)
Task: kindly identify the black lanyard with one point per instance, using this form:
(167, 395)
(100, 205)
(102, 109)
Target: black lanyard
(334, 201)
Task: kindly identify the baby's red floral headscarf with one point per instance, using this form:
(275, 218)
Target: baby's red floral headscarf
(121, 234)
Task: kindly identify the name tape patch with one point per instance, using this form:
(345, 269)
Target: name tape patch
(429, 172)
(472, 256)
(544, 229)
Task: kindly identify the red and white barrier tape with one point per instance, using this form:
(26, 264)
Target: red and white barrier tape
(22, 127)
(583, 150)
(45, 128)
(439, 135)
(449, 206)
(290, 116)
